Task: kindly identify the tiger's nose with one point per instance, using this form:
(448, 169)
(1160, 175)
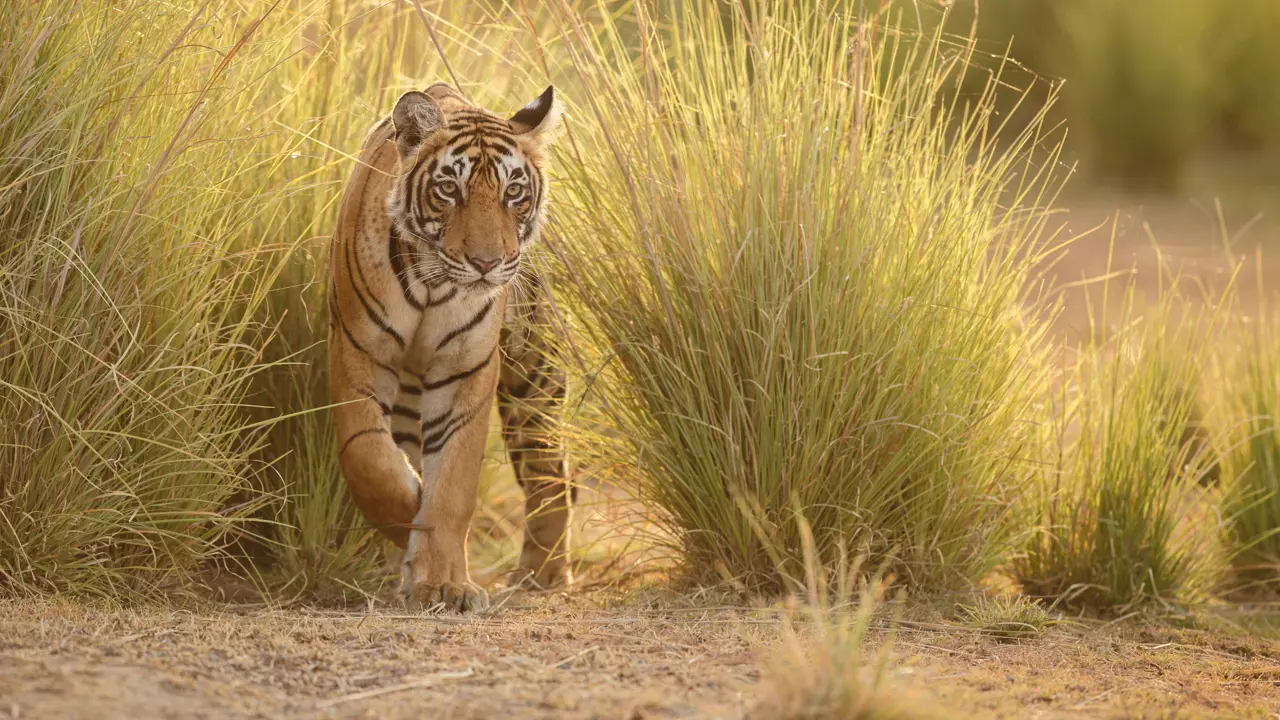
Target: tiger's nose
(482, 264)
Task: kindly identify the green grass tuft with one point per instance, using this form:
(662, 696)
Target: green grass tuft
(1251, 488)
(799, 291)
(1007, 619)
(168, 184)
(1109, 523)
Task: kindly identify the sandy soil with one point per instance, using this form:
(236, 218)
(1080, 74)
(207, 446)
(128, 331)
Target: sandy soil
(586, 655)
(1197, 239)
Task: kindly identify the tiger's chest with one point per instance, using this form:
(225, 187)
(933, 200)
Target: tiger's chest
(457, 334)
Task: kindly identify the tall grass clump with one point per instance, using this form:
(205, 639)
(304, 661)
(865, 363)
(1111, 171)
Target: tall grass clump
(1251, 491)
(168, 179)
(1116, 517)
(126, 305)
(799, 287)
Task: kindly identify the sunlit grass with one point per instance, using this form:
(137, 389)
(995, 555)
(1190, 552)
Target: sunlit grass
(828, 663)
(799, 290)
(1007, 618)
(1108, 521)
(1251, 492)
(167, 187)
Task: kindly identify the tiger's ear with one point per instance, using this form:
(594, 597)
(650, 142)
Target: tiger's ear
(416, 116)
(540, 119)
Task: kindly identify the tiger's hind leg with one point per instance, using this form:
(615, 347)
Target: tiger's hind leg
(531, 392)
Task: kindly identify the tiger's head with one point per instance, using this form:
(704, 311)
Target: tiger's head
(470, 188)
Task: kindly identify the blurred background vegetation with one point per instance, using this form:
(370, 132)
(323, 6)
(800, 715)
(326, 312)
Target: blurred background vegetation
(823, 300)
(1152, 89)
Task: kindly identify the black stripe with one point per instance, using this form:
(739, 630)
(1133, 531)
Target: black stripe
(435, 443)
(434, 204)
(483, 138)
(417, 273)
(478, 124)
(397, 267)
(406, 412)
(414, 190)
(459, 376)
(371, 394)
(403, 437)
(352, 339)
(499, 143)
(491, 167)
(535, 181)
(422, 191)
(443, 298)
(448, 429)
(469, 325)
(480, 128)
(427, 425)
(377, 319)
(362, 433)
(410, 389)
(351, 253)
(418, 166)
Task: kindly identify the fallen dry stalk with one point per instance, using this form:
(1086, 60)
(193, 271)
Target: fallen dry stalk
(427, 681)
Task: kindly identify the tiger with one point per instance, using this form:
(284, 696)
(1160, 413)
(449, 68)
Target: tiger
(434, 312)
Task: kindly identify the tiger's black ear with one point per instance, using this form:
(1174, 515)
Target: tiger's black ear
(540, 119)
(416, 116)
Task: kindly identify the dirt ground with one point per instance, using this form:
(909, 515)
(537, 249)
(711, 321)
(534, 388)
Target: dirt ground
(584, 655)
(1205, 242)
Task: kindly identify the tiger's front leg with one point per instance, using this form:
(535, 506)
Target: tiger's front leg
(455, 424)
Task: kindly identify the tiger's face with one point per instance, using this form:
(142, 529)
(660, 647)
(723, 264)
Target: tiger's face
(471, 190)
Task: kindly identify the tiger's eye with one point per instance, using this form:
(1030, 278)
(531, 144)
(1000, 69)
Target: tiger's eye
(515, 192)
(447, 187)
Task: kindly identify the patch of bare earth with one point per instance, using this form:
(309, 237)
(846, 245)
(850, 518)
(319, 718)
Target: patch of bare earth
(586, 655)
(548, 656)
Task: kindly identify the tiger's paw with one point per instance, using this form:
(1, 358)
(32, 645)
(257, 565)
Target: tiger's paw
(458, 597)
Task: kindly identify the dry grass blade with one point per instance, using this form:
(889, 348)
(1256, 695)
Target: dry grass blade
(428, 681)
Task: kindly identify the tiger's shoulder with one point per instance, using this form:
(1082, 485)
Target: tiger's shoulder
(362, 206)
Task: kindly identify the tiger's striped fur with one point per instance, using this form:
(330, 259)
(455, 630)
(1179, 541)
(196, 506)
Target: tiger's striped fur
(426, 325)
